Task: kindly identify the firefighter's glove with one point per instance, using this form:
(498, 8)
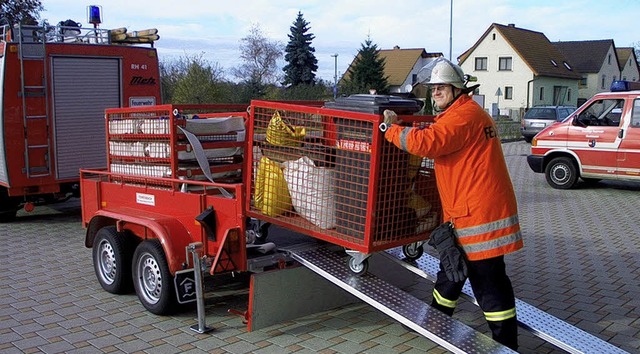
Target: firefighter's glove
(451, 255)
(390, 117)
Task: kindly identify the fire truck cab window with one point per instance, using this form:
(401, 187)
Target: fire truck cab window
(635, 115)
(602, 113)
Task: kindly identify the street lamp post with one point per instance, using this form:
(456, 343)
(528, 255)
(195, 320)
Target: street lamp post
(335, 76)
(450, 29)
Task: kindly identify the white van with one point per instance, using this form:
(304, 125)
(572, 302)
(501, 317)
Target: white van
(600, 140)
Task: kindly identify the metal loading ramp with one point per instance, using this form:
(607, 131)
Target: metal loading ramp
(396, 303)
(541, 324)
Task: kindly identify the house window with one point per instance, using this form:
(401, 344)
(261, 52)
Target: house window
(414, 79)
(508, 92)
(602, 81)
(481, 64)
(541, 98)
(583, 82)
(493, 36)
(504, 64)
(609, 59)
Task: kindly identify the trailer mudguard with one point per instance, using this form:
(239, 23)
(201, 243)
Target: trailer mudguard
(173, 236)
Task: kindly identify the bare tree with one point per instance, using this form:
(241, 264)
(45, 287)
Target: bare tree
(20, 11)
(259, 57)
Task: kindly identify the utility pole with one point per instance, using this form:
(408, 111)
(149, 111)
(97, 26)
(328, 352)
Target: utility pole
(335, 76)
(450, 29)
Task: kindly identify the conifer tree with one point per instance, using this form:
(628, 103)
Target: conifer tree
(302, 63)
(367, 71)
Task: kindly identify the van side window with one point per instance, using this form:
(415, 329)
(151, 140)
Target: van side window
(603, 113)
(635, 115)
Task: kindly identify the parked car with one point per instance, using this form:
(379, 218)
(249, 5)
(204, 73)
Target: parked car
(539, 117)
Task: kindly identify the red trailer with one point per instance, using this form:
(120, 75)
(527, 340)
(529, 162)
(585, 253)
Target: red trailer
(179, 175)
(184, 183)
(55, 83)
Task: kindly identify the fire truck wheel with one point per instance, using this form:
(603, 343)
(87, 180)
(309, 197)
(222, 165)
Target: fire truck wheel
(8, 216)
(112, 260)
(413, 251)
(561, 173)
(152, 279)
(357, 269)
(9, 205)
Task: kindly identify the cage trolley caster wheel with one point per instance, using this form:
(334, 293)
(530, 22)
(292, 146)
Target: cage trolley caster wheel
(357, 262)
(413, 251)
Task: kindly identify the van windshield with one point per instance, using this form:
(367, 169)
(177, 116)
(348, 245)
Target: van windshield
(541, 113)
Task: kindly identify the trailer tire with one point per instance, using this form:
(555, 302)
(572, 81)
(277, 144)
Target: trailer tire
(151, 278)
(112, 260)
(561, 173)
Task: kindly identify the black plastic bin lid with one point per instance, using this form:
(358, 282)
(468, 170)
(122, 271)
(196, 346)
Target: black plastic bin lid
(376, 104)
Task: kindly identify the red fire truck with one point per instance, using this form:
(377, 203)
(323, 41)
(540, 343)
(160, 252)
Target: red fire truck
(55, 83)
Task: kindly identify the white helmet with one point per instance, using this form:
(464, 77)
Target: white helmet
(442, 71)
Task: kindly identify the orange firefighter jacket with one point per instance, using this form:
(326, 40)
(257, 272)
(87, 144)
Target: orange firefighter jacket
(472, 177)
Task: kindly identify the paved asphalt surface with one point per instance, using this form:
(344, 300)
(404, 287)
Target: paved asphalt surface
(581, 263)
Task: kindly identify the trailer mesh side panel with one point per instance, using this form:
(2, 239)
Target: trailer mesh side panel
(332, 175)
(149, 145)
(3, 162)
(84, 88)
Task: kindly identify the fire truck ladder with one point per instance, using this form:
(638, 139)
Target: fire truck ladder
(394, 302)
(539, 323)
(35, 106)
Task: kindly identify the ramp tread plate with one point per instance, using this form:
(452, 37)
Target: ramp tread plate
(548, 327)
(405, 308)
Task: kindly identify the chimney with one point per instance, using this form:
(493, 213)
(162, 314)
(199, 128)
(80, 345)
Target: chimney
(396, 47)
(513, 25)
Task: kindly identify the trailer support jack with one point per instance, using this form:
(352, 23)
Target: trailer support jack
(201, 327)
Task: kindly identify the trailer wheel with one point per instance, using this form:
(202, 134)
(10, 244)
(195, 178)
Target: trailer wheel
(561, 173)
(112, 260)
(357, 269)
(413, 251)
(152, 279)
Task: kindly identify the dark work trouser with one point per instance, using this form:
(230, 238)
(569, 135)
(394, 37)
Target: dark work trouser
(493, 291)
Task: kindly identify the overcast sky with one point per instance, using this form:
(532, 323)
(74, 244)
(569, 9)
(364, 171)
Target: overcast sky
(214, 27)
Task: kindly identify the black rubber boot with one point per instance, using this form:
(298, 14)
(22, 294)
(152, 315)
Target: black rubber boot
(446, 310)
(505, 332)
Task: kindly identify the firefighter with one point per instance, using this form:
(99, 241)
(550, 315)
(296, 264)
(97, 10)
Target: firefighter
(478, 200)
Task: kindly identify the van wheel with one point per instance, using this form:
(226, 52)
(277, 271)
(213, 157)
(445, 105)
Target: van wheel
(152, 279)
(112, 260)
(561, 173)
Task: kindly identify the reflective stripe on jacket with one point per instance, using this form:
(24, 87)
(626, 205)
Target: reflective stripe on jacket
(472, 177)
